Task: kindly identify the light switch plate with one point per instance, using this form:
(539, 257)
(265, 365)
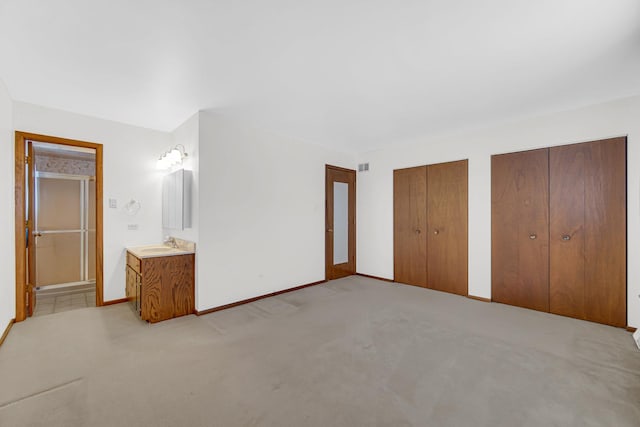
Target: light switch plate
(132, 226)
(113, 203)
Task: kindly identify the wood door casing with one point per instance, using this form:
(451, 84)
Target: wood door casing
(605, 231)
(520, 229)
(567, 230)
(22, 267)
(447, 241)
(31, 248)
(409, 226)
(348, 176)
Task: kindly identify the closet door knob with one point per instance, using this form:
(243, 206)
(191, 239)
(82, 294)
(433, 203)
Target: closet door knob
(418, 231)
(566, 237)
(436, 232)
(533, 236)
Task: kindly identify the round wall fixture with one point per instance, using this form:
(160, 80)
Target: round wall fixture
(132, 207)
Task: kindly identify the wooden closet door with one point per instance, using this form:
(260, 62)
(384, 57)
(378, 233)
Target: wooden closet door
(520, 229)
(410, 226)
(605, 231)
(567, 230)
(447, 241)
(588, 231)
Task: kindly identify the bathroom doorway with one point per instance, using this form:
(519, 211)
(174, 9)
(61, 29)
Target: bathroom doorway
(340, 222)
(58, 225)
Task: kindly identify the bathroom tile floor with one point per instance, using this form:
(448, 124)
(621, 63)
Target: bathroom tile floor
(64, 299)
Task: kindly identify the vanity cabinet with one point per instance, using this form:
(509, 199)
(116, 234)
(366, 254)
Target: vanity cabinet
(161, 287)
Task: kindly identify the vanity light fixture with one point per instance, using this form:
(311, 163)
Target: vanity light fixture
(171, 158)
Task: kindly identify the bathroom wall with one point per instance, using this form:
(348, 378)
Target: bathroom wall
(262, 200)
(375, 188)
(7, 234)
(130, 155)
(188, 134)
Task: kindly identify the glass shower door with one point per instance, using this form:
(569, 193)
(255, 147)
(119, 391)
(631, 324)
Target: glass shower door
(64, 230)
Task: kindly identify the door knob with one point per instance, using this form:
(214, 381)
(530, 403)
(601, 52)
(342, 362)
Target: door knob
(566, 237)
(533, 236)
(436, 232)
(418, 231)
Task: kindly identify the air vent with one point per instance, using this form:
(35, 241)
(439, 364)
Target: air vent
(363, 167)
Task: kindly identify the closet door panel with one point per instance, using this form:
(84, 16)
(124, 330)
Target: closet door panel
(410, 226)
(567, 232)
(447, 199)
(605, 230)
(520, 229)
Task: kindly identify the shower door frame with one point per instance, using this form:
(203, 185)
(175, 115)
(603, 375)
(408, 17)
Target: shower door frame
(84, 224)
(21, 226)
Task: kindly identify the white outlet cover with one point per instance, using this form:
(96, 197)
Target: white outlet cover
(113, 203)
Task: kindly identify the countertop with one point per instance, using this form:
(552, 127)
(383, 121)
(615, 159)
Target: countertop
(160, 250)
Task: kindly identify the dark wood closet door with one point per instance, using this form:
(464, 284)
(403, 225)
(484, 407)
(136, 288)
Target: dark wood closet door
(447, 189)
(567, 230)
(605, 231)
(409, 226)
(520, 229)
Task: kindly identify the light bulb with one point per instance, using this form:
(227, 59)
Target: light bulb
(175, 156)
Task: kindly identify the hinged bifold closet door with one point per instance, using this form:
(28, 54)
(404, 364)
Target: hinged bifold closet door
(588, 231)
(430, 205)
(520, 229)
(567, 230)
(447, 242)
(410, 226)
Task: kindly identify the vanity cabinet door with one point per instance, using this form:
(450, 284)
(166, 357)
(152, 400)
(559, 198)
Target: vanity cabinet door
(132, 289)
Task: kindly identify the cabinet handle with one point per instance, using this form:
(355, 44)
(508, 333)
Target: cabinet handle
(533, 236)
(566, 237)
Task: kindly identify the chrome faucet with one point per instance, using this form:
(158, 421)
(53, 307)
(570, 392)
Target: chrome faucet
(170, 241)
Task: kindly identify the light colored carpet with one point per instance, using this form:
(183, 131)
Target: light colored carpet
(353, 352)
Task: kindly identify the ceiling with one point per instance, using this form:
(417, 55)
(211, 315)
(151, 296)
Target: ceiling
(349, 74)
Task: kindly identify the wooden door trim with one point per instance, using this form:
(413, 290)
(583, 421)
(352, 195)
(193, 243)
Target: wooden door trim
(338, 168)
(352, 207)
(21, 244)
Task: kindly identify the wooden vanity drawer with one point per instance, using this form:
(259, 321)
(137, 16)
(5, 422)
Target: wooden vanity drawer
(134, 263)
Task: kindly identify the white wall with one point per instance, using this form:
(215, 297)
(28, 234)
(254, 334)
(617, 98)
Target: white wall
(375, 188)
(188, 134)
(130, 155)
(7, 232)
(261, 211)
